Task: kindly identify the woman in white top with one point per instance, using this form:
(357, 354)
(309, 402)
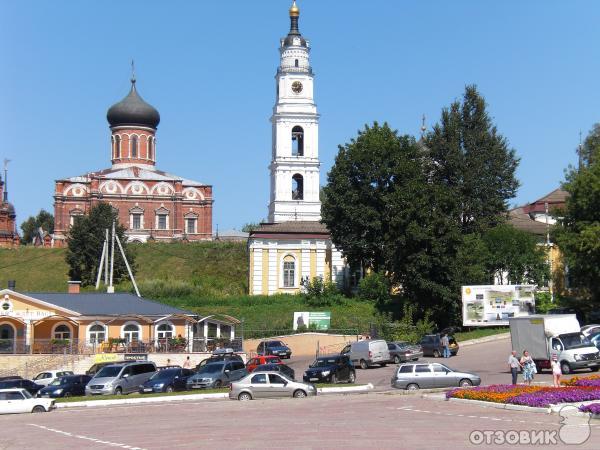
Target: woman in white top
(556, 372)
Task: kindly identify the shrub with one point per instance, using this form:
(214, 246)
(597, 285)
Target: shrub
(375, 287)
(319, 293)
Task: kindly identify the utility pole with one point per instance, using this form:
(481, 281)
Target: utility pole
(111, 288)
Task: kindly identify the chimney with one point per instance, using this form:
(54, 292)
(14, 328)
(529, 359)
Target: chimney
(74, 287)
(12, 285)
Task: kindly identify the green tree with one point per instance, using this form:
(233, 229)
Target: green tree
(248, 227)
(578, 232)
(590, 150)
(374, 287)
(474, 162)
(85, 241)
(44, 220)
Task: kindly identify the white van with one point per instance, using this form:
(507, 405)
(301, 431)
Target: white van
(368, 352)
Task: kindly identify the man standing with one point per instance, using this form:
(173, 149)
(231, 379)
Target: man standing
(446, 345)
(514, 364)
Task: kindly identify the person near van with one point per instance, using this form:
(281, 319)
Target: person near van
(556, 370)
(187, 364)
(445, 341)
(514, 364)
(528, 367)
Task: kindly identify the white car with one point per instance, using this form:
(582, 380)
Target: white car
(588, 330)
(14, 401)
(48, 376)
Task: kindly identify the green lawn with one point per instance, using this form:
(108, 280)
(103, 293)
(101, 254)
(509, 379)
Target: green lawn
(479, 333)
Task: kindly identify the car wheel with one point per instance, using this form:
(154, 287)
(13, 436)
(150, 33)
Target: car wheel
(67, 394)
(299, 394)
(118, 391)
(169, 389)
(465, 383)
(352, 377)
(436, 354)
(244, 397)
(217, 384)
(363, 364)
(38, 409)
(565, 368)
(333, 378)
(412, 387)
(396, 359)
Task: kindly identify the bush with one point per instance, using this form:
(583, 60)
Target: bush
(374, 287)
(405, 329)
(319, 293)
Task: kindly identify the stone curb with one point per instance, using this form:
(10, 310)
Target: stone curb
(494, 337)
(417, 392)
(502, 405)
(177, 398)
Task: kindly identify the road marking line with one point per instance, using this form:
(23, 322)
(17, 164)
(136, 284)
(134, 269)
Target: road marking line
(78, 436)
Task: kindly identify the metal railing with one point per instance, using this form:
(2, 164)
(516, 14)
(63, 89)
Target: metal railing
(283, 69)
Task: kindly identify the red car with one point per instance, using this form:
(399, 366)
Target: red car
(259, 360)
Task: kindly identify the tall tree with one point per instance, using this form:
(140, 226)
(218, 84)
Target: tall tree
(30, 227)
(85, 241)
(474, 161)
(578, 232)
(589, 152)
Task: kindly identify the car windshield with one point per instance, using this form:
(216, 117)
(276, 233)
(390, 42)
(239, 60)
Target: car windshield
(166, 373)
(59, 381)
(108, 372)
(275, 344)
(26, 394)
(212, 368)
(574, 340)
(323, 362)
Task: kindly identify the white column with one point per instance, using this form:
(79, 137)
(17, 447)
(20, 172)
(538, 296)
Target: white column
(305, 269)
(321, 249)
(218, 330)
(273, 268)
(257, 271)
(337, 266)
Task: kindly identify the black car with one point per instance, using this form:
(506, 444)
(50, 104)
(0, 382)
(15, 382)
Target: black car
(432, 345)
(330, 369)
(67, 386)
(276, 348)
(286, 370)
(96, 367)
(11, 377)
(218, 358)
(167, 380)
(28, 385)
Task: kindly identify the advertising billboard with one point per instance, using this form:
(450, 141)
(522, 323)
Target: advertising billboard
(314, 320)
(493, 305)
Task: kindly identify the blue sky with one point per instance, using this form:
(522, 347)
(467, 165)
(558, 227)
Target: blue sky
(209, 68)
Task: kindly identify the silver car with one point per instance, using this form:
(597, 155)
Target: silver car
(269, 385)
(426, 376)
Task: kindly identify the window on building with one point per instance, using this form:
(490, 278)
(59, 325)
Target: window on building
(117, 146)
(150, 148)
(74, 217)
(297, 187)
(136, 221)
(131, 332)
(62, 332)
(297, 141)
(97, 334)
(165, 330)
(296, 63)
(289, 271)
(190, 225)
(134, 146)
(161, 221)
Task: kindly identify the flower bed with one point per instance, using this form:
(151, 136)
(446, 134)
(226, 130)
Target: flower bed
(593, 380)
(537, 396)
(593, 408)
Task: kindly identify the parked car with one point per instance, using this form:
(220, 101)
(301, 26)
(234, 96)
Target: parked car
(67, 386)
(11, 377)
(28, 385)
(120, 378)
(269, 385)
(286, 370)
(47, 377)
(403, 351)
(330, 369)
(412, 376)
(253, 363)
(368, 352)
(276, 348)
(217, 374)
(432, 345)
(13, 401)
(167, 380)
(588, 330)
(595, 340)
(219, 357)
(96, 367)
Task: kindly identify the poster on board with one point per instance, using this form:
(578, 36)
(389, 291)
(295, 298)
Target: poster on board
(314, 320)
(493, 305)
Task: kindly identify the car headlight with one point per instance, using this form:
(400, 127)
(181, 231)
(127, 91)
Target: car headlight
(577, 357)
(326, 373)
(159, 385)
(58, 391)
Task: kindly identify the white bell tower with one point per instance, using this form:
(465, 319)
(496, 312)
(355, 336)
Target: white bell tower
(295, 155)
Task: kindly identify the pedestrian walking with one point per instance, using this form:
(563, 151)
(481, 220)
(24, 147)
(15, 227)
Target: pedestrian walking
(556, 370)
(445, 341)
(187, 364)
(528, 367)
(514, 365)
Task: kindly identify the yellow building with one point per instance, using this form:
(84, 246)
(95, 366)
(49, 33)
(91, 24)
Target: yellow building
(100, 322)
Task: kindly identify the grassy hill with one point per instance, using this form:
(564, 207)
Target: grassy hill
(207, 277)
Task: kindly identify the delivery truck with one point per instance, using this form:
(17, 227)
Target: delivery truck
(546, 334)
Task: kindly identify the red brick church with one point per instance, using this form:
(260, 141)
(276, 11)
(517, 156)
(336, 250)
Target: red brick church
(8, 231)
(152, 204)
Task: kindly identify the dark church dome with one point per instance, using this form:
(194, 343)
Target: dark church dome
(133, 110)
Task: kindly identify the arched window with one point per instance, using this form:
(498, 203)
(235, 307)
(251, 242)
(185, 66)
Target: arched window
(150, 148)
(134, 146)
(297, 141)
(289, 271)
(62, 332)
(165, 330)
(296, 63)
(297, 187)
(96, 333)
(131, 332)
(117, 146)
